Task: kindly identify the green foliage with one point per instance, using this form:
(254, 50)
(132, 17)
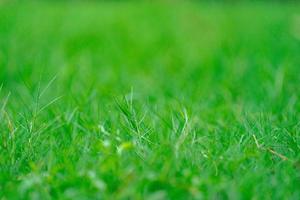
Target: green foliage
(131, 100)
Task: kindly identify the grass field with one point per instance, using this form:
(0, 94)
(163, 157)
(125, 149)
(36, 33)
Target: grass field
(149, 101)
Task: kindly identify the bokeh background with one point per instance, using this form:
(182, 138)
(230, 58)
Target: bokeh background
(115, 46)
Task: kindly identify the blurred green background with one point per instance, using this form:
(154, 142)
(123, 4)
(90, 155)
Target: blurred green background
(121, 45)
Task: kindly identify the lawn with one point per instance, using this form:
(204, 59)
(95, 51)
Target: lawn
(131, 100)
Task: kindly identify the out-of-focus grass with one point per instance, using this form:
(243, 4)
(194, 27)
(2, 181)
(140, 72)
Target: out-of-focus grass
(149, 101)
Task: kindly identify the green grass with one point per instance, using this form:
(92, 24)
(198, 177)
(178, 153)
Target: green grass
(149, 101)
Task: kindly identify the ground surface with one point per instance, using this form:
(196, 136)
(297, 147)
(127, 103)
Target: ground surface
(149, 101)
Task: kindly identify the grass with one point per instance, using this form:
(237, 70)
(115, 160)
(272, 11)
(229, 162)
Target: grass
(149, 101)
